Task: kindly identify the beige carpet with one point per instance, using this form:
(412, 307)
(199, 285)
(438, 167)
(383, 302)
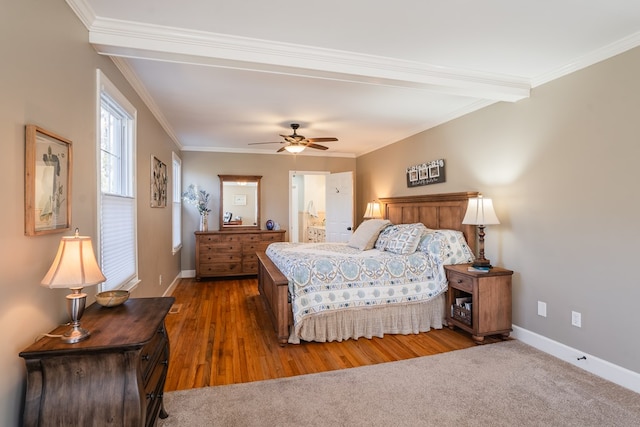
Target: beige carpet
(502, 384)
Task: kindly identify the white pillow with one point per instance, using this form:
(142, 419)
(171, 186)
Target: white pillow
(367, 233)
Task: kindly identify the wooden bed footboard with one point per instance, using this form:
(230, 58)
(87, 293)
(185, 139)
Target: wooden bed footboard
(274, 288)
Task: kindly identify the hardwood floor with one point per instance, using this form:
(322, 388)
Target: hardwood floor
(222, 334)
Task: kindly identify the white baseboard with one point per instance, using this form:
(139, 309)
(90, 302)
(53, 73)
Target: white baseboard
(169, 290)
(188, 273)
(600, 367)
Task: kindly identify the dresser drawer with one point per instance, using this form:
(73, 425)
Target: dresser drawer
(272, 237)
(222, 268)
(218, 238)
(253, 237)
(461, 281)
(151, 353)
(250, 266)
(220, 247)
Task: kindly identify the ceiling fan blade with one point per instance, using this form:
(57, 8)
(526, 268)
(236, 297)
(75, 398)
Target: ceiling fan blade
(258, 143)
(280, 150)
(327, 139)
(317, 147)
(288, 138)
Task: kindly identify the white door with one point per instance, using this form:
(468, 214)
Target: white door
(339, 200)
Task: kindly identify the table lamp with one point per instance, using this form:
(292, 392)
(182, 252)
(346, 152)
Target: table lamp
(480, 212)
(74, 267)
(373, 211)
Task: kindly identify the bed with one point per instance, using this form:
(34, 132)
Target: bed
(304, 304)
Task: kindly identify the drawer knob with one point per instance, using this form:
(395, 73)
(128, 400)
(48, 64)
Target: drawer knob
(145, 357)
(459, 280)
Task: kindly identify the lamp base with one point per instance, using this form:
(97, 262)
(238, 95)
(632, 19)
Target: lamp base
(75, 305)
(481, 263)
(75, 334)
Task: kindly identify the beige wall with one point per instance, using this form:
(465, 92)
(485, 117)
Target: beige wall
(562, 169)
(48, 78)
(202, 169)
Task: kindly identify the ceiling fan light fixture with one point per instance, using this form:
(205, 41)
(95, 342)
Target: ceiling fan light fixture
(295, 148)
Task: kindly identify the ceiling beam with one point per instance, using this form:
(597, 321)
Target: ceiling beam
(153, 42)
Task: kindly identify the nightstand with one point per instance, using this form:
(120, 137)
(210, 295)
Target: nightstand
(479, 303)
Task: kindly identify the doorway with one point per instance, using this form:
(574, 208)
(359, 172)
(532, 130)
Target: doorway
(316, 214)
(307, 205)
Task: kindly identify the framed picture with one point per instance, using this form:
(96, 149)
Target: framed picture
(240, 199)
(48, 161)
(158, 183)
(426, 173)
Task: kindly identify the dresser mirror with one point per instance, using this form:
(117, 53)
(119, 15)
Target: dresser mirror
(239, 202)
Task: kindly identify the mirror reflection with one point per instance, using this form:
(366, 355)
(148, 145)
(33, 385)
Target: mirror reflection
(240, 201)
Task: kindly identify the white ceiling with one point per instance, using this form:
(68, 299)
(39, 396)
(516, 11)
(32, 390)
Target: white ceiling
(219, 75)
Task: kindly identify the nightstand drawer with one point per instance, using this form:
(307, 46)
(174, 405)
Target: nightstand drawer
(460, 281)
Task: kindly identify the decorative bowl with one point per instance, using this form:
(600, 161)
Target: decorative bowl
(112, 298)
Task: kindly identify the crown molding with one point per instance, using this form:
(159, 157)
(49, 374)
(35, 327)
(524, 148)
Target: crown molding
(140, 40)
(594, 57)
(83, 11)
(147, 99)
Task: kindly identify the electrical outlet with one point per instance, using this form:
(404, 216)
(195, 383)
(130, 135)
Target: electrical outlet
(542, 309)
(160, 280)
(576, 319)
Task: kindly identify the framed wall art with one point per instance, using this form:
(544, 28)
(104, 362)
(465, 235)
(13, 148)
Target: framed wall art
(426, 173)
(158, 183)
(48, 162)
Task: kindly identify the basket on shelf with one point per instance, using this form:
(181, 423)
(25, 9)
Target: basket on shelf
(461, 314)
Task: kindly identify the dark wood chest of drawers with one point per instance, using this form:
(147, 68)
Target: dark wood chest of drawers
(231, 253)
(115, 377)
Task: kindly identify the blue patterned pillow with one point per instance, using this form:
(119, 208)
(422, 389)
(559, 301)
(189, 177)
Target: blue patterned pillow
(383, 237)
(449, 246)
(404, 238)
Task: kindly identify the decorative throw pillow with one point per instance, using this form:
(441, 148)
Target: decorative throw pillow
(449, 246)
(383, 238)
(405, 239)
(367, 233)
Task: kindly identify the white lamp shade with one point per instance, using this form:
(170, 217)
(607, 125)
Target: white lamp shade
(373, 211)
(74, 266)
(295, 148)
(480, 212)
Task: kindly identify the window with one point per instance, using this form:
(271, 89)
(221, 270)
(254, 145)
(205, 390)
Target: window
(117, 201)
(177, 203)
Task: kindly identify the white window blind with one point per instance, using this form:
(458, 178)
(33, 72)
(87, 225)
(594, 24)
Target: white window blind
(117, 238)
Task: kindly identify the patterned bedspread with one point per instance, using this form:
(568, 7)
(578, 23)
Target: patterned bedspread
(334, 276)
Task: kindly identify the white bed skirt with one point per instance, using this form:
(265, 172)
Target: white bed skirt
(405, 319)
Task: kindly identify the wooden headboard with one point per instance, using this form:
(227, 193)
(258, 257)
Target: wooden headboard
(435, 211)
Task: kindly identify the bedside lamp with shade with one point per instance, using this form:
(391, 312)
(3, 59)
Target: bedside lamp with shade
(373, 211)
(480, 212)
(74, 267)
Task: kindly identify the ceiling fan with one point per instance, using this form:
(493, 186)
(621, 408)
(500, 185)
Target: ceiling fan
(297, 143)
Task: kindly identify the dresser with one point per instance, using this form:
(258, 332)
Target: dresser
(115, 377)
(233, 252)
